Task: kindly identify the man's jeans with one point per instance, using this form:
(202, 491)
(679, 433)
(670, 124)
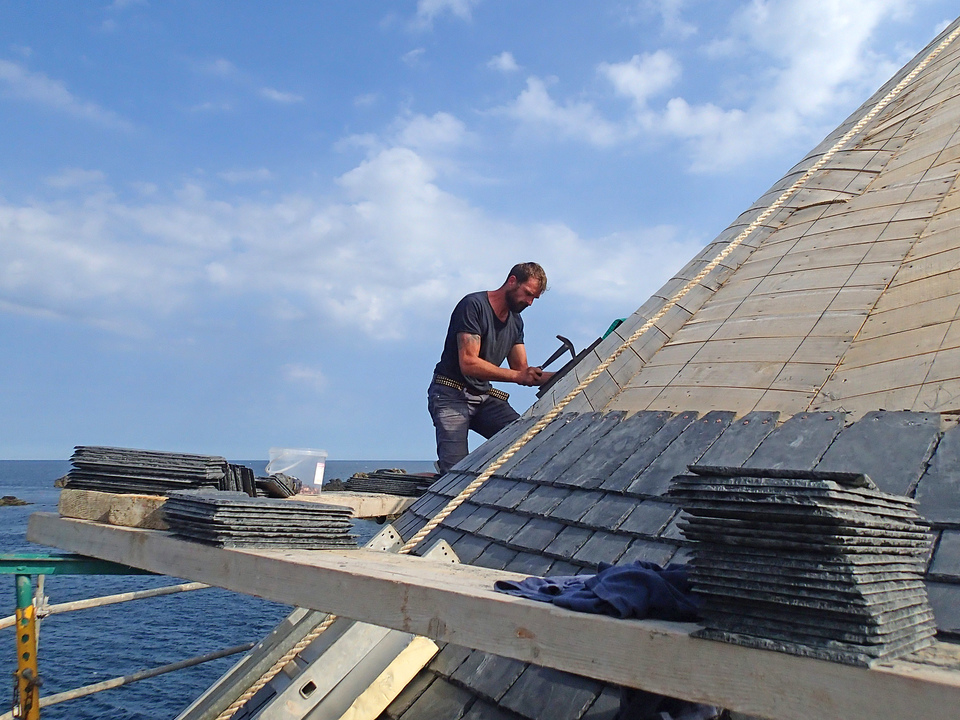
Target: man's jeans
(456, 412)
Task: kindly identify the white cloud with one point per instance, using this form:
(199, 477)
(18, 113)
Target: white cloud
(392, 251)
(76, 177)
(422, 132)
(805, 63)
(429, 10)
(212, 107)
(413, 57)
(18, 82)
(311, 377)
(366, 100)
(235, 177)
(670, 12)
(578, 120)
(643, 76)
(280, 96)
(504, 62)
(218, 67)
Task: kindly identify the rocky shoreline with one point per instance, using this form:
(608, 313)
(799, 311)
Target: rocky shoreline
(12, 500)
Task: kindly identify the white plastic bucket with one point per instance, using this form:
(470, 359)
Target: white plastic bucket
(303, 464)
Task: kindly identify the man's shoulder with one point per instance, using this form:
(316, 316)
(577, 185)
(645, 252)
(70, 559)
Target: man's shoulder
(475, 304)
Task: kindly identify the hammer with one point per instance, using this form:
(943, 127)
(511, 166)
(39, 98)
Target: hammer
(567, 345)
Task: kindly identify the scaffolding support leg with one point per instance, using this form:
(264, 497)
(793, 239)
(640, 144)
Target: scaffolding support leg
(28, 678)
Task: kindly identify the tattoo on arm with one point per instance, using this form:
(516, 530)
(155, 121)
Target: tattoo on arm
(468, 340)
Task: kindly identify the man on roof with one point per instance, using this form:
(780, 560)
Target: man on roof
(485, 329)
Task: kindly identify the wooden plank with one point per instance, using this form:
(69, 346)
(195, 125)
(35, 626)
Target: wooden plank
(127, 510)
(456, 603)
(395, 677)
(895, 345)
(363, 505)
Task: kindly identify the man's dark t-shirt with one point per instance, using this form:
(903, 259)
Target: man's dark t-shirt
(475, 316)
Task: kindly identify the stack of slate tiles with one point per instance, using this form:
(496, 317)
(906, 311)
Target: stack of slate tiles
(818, 564)
(147, 472)
(235, 520)
(391, 482)
(279, 485)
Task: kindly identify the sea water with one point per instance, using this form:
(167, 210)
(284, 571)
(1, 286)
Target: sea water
(89, 646)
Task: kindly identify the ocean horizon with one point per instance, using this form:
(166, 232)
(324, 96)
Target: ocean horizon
(90, 646)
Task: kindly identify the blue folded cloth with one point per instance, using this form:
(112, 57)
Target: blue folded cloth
(637, 590)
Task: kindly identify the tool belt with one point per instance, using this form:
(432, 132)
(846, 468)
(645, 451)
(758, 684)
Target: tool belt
(492, 392)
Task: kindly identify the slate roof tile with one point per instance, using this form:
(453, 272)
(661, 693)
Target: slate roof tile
(490, 676)
(799, 443)
(481, 710)
(611, 450)
(414, 689)
(685, 450)
(544, 693)
(566, 431)
(564, 568)
(502, 526)
(441, 700)
(648, 517)
(568, 541)
(515, 495)
(672, 531)
(938, 493)
(946, 557)
(891, 447)
(408, 524)
(537, 533)
(602, 547)
(451, 484)
(463, 514)
(542, 500)
(649, 550)
(492, 448)
(609, 511)
(438, 533)
(584, 441)
(495, 556)
(621, 478)
(429, 505)
(469, 547)
(606, 706)
(740, 439)
(492, 490)
(576, 505)
(544, 436)
(530, 564)
(470, 518)
(449, 659)
(945, 602)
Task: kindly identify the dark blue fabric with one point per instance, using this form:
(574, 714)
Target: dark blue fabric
(637, 590)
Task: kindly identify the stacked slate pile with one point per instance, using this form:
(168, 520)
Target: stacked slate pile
(239, 478)
(145, 472)
(810, 563)
(279, 485)
(391, 482)
(235, 520)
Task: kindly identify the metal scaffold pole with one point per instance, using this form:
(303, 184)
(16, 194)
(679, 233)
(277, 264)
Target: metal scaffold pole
(28, 680)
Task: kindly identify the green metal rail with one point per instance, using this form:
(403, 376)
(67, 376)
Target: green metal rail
(26, 701)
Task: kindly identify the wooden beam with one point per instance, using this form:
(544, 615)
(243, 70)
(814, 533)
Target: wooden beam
(364, 505)
(457, 603)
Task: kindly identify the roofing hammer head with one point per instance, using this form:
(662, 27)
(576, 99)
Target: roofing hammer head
(567, 345)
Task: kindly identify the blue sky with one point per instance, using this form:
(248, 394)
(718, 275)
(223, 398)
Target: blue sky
(227, 226)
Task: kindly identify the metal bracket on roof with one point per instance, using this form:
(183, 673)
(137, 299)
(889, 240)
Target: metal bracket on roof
(387, 540)
(353, 668)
